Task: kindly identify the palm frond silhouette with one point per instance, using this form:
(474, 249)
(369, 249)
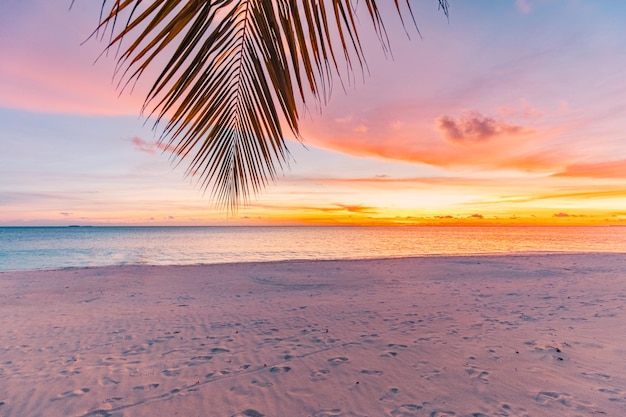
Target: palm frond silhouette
(234, 74)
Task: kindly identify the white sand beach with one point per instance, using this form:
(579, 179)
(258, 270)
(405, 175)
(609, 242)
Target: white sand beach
(536, 335)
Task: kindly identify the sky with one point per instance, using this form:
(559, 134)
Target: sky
(504, 113)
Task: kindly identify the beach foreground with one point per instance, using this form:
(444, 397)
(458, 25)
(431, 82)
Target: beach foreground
(537, 335)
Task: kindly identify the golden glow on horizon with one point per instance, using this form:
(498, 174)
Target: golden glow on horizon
(413, 202)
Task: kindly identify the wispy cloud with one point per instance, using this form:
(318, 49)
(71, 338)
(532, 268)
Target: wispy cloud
(357, 208)
(144, 146)
(606, 169)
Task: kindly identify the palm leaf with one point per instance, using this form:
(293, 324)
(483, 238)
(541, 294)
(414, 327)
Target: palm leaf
(235, 73)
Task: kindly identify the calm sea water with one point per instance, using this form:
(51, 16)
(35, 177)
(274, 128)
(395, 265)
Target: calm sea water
(29, 248)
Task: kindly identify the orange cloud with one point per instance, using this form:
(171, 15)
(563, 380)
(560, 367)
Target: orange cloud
(471, 141)
(325, 208)
(608, 169)
(583, 194)
(356, 208)
(340, 209)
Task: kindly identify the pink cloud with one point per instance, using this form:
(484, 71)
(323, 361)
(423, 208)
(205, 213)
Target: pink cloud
(151, 147)
(473, 127)
(144, 146)
(165, 147)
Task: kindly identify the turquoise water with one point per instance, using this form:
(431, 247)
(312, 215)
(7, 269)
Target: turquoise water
(30, 248)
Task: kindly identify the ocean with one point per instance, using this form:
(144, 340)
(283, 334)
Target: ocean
(34, 248)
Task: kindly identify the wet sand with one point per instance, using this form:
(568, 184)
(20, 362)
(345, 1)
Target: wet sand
(536, 335)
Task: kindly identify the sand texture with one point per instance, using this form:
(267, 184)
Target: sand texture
(537, 335)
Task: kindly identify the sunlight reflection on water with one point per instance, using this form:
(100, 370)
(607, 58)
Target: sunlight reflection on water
(60, 247)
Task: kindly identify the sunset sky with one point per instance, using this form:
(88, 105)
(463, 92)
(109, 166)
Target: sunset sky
(507, 113)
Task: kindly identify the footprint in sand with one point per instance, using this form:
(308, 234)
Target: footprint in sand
(201, 358)
(263, 384)
(482, 376)
(145, 387)
(248, 413)
(108, 381)
(614, 394)
(564, 398)
(596, 376)
(371, 372)
(279, 369)
(69, 372)
(545, 397)
(390, 394)
(430, 374)
(507, 409)
(198, 360)
(426, 372)
(369, 338)
(217, 373)
(319, 375)
(135, 350)
(440, 413)
(338, 361)
(394, 345)
(70, 394)
(171, 372)
(407, 410)
(328, 413)
(113, 399)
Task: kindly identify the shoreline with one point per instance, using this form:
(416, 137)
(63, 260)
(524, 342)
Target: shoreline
(504, 335)
(62, 248)
(297, 260)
